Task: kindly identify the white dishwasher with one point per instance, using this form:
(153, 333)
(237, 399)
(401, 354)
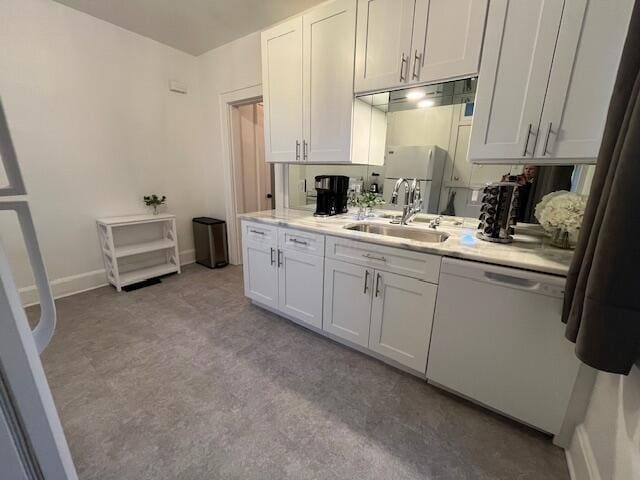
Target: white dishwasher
(498, 340)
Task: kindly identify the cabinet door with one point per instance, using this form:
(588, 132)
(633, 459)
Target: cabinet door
(516, 61)
(401, 319)
(584, 71)
(260, 273)
(282, 91)
(383, 43)
(328, 51)
(300, 286)
(447, 39)
(347, 301)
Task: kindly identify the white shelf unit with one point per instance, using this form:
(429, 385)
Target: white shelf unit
(111, 253)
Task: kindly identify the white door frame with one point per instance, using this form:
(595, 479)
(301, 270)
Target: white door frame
(228, 100)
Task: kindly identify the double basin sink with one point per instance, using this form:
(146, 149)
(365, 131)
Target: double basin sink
(429, 236)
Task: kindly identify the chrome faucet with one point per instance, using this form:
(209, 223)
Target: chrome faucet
(412, 199)
(435, 222)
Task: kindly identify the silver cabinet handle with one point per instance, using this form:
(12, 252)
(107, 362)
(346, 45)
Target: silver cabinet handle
(366, 281)
(279, 258)
(546, 142)
(299, 242)
(378, 277)
(273, 258)
(526, 143)
(257, 231)
(297, 149)
(304, 150)
(374, 257)
(417, 62)
(403, 62)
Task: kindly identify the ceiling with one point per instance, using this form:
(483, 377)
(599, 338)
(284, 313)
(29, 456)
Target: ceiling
(193, 26)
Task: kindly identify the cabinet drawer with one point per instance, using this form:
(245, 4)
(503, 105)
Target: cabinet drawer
(260, 233)
(300, 241)
(404, 262)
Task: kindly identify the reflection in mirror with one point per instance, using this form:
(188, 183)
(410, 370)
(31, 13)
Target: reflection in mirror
(423, 133)
(4, 180)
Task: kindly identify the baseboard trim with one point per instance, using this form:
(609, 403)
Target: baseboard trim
(580, 458)
(187, 257)
(83, 282)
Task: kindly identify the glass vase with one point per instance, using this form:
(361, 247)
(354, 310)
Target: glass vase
(560, 238)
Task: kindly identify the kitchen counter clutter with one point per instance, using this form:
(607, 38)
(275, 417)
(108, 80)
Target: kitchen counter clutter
(479, 319)
(528, 251)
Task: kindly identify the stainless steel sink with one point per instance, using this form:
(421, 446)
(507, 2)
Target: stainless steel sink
(431, 236)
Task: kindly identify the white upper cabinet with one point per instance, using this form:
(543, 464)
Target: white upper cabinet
(307, 75)
(546, 78)
(282, 91)
(405, 42)
(383, 43)
(583, 74)
(328, 58)
(447, 39)
(518, 51)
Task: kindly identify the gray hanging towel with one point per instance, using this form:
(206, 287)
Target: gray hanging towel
(602, 300)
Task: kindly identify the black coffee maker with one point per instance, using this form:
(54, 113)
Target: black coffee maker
(332, 191)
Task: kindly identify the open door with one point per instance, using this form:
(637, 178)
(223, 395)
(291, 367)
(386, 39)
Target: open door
(253, 177)
(32, 442)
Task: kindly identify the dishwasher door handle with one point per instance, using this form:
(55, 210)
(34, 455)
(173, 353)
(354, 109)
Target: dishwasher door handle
(511, 281)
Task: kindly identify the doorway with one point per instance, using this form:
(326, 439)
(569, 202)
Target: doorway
(253, 177)
(251, 184)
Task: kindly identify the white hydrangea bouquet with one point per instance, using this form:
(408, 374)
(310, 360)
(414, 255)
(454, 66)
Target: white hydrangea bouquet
(560, 214)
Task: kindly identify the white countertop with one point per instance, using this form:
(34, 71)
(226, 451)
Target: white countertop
(529, 250)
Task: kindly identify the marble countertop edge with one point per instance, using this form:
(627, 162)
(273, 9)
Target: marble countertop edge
(528, 251)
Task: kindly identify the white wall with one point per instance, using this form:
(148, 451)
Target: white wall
(95, 128)
(231, 67)
(606, 446)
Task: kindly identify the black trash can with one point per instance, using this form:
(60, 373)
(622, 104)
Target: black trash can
(210, 238)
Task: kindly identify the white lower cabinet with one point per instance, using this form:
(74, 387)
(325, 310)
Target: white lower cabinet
(388, 313)
(300, 278)
(401, 318)
(260, 273)
(347, 301)
(284, 270)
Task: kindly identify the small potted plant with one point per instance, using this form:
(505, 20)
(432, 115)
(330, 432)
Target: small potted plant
(366, 203)
(154, 201)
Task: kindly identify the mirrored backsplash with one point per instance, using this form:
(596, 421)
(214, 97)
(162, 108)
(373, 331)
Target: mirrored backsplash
(423, 133)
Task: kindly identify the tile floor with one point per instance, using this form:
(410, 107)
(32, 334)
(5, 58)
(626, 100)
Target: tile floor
(189, 380)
